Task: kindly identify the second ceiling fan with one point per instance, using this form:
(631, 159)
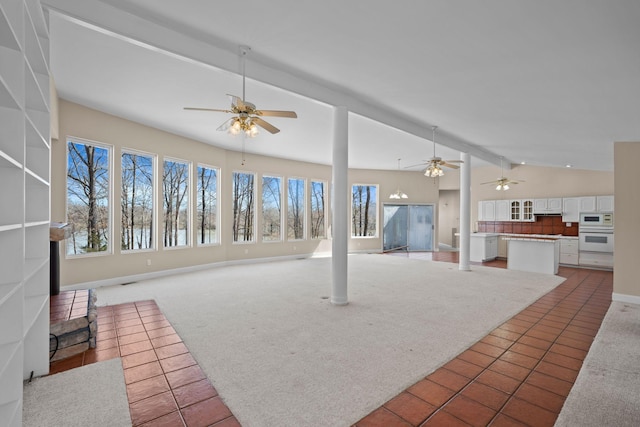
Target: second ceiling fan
(248, 117)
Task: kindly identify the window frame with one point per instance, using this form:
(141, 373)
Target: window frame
(254, 214)
(196, 199)
(325, 188)
(110, 193)
(154, 197)
(376, 211)
(282, 211)
(189, 219)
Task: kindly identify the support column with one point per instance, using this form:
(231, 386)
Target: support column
(465, 212)
(340, 206)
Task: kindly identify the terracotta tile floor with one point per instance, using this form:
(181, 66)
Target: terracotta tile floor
(165, 386)
(68, 305)
(518, 375)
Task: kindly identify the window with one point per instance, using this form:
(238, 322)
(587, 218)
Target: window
(243, 207)
(175, 183)
(317, 210)
(271, 208)
(88, 196)
(295, 208)
(364, 211)
(136, 202)
(207, 205)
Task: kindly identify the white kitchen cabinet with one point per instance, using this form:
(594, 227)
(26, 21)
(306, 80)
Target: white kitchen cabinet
(25, 194)
(604, 203)
(487, 210)
(569, 251)
(502, 210)
(571, 209)
(588, 204)
(502, 248)
(521, 210)
(483, 247)
(547, 206)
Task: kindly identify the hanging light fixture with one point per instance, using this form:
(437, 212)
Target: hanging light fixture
(398, 194)
(434, 170)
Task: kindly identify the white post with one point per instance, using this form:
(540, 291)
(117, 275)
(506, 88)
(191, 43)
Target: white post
(465, 211)
(340, 206)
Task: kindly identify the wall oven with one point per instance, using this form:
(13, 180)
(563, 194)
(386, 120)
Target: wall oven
(596, 219)
(596, 239)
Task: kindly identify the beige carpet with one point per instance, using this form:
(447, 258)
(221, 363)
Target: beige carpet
(92, 395)
(281, 355)
(607, 388)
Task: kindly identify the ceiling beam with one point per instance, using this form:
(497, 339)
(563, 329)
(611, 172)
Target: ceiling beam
(134, 25)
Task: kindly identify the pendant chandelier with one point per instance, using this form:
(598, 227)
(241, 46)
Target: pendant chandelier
(398, 194)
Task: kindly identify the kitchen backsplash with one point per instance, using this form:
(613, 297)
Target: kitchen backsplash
(542, 225)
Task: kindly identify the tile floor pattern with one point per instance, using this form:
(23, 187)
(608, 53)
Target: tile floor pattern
(68, 305)
(165, 386)
(518, 375)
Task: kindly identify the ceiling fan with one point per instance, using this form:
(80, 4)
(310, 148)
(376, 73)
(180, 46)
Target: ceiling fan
(434, 165)
(248, 117)
(502, 183)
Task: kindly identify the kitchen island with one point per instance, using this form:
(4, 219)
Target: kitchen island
(534, 254)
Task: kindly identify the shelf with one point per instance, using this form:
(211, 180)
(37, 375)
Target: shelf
(10, 361)
(36, 241)
(33, 307)
(11, 237)
(11, 77)
(11, 253)
(35, 274)
(35, 96)
(39, 120)
(36, 198)
(11, 319)
(11, 413)
(11, 136)
(7, 290)
(33, 50)
(11, 24)
(36, 337)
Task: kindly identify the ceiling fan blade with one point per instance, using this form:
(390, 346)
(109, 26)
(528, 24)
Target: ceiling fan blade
(207, 109)
(267, 126)
(237, 102)
(277, 113)
(454, 161)
(226, 125)
(418, 164)
(497, 181)
(449, 165)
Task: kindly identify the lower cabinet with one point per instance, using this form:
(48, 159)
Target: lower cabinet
(483, 247)
(569, 251)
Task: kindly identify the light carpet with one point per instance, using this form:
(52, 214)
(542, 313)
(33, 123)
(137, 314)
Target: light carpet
(280, 354)
(608, 385)
(91, 395)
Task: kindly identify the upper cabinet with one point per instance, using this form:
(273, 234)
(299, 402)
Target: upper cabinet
(571, 209)
(521, 210)
(588, 204)
(604, 203)
(503, 212)
(547, 206)
(487, 210)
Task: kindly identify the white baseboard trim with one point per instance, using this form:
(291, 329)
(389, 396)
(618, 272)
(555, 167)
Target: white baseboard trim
(162, 273)
(631, 299)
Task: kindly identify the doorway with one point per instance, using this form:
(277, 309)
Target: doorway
(407, 227)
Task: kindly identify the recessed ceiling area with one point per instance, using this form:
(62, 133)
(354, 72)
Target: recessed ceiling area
(546, 83)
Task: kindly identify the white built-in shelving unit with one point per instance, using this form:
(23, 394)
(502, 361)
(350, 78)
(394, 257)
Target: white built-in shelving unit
(25, 199)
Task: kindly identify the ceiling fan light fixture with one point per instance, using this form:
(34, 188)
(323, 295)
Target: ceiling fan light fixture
(434, 171)
(398, 194)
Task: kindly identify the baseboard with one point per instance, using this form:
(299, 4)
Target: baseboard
(630, 299)
(163, 273)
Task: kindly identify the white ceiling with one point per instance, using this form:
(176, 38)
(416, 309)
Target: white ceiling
(545, 82)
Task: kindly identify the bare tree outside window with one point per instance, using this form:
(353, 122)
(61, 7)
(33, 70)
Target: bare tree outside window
(175, 182)
(318, 229)
(207, 205)
(295, 208)
(88, 180)
(136, 202)
(271, 208)
(243, 206)
(364, 211)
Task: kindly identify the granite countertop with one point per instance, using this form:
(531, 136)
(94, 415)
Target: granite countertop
(531, 236)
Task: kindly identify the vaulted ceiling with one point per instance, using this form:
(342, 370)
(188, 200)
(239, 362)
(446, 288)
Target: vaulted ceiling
(543, 82)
